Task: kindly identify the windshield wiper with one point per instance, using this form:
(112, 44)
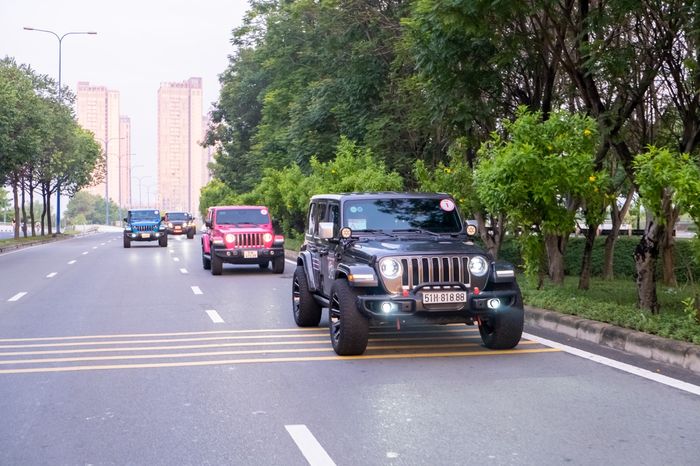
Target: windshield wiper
(416, 230)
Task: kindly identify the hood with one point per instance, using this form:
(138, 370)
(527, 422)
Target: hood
(247, 229)
(381, 247)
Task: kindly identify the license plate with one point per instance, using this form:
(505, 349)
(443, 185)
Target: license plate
(250, 254)
(145, 235)
(178, 228)
(444, 297)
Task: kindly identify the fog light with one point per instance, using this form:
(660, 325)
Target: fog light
(493, 303)
(387, 308)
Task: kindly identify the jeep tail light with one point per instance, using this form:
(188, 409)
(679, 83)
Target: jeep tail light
(267, 237)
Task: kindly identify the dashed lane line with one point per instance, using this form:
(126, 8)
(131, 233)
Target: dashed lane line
(183, 271)
(72, 262)
(17, 297)
(176, 259)
(312, 450)
(52, 274)
(196, 290)
(214, 316)
(85, 253)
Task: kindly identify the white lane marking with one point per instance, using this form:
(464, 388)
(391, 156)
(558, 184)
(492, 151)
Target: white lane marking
(176, 259)
(214, 316)
(72, 262)
(171, 251)
(52, 274)
(679, 384)
(309, 446)
(102, 244)
(17, 296)
(196, 290)
(85, 253)
(94, 247)
(183, 270)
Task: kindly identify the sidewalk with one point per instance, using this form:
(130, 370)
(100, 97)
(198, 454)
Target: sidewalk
(677, 353)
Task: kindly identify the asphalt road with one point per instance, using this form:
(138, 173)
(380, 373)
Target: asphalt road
(139, 356)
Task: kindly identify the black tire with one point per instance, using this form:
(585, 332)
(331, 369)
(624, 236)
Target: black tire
(190, 235)
(217, 265)
(278, 264)
(264, 265)
(349, 329)
(206, 262)
(307, 311)
(127, 243)
(163, 241)
(504, 329)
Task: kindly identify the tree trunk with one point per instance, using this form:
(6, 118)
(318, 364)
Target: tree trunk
(584, 281)
(493, 239)
(43, 210)
(24, 207)
(15, 199)
(668, 244)
(555, 247)
(48, 210)
(31, 204)
(645, 255)
(617, 215)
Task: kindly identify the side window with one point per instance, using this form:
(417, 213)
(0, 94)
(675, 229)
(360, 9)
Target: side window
(320, 217)
(311, 220)
(334, 217)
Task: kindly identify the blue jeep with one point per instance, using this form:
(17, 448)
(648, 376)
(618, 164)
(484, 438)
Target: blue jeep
(144, 225)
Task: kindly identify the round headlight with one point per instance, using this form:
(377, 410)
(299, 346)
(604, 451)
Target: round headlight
(478, 266)
(390, 268)
(345, 233)
(229, 237)
(471, 230)
(267, 237)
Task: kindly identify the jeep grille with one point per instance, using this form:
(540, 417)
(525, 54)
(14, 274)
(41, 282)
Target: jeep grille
(434, 269)
(248, 240)
(143, 227)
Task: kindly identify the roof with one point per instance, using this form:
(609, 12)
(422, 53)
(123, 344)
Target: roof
(238, 207)
(380, 194)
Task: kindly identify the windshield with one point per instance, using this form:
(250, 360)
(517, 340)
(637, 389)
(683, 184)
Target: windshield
(434, 215)
(246, 216)
(178, 216)
(144, 216)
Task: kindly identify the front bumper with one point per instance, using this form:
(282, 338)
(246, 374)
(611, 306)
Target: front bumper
(411, 305)
(144, 235)
(247, 255)
(180, 231)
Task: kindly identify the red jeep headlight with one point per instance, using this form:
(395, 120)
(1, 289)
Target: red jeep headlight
(267, 237)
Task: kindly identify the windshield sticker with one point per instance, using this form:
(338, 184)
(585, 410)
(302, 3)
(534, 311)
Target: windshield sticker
(263, 212)
(357, 223)
(447, 205)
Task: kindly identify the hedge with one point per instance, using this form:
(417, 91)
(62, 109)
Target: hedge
(623, 264)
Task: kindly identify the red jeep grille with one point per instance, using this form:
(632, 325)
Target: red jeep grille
(248, 240)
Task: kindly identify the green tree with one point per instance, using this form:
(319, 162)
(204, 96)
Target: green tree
(668, 183)
(541, 173)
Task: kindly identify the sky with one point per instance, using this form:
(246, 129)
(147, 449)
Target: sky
(139, 44)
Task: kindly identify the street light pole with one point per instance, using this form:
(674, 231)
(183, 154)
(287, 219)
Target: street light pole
(106, 143)
(140, 178)
(60, 100)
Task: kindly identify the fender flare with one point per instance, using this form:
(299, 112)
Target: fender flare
(304, 260)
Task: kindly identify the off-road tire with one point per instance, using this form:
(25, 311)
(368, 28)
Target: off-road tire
(349, 329)
(127, 243)
(307, 311)
(206, 262)
(190, 235)
(217, 265)
(278, 264)
(504, 329)
(163, 241)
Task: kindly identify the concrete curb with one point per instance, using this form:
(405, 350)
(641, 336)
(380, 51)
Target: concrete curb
(655, 348)
(50, 239)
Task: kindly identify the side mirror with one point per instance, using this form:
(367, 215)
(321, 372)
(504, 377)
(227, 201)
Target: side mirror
(125, 220)
(207, 223)
(325, 230)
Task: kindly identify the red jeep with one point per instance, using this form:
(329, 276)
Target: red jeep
(241, 235)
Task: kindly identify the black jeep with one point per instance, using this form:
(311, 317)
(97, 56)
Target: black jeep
(400, 257)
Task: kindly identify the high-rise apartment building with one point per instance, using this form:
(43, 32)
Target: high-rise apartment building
(98, 112)
(181, 159)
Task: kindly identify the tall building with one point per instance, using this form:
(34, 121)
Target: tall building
(181, 159)
(98, 112)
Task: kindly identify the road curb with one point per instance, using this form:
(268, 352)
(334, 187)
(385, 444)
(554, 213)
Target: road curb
(655, 348)
(39, 241)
